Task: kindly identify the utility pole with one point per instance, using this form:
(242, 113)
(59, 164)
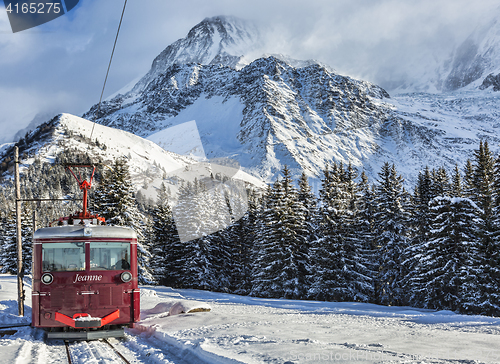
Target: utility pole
(20, 274)
(34, 221)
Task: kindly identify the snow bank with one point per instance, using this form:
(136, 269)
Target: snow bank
(8, 302)
(174, 304)
(175, 308)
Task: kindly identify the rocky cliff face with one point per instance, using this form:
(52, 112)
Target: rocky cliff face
(283, 112)
(491, 81)
(476, 57)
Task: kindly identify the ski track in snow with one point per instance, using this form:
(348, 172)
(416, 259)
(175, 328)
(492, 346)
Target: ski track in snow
(241, 329)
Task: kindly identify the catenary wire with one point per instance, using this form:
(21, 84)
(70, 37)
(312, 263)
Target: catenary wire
(109, 66)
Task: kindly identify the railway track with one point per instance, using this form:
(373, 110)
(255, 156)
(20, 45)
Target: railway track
(32, 347)
(114, 349)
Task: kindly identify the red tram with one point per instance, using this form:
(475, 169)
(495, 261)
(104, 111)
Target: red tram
(85, 277)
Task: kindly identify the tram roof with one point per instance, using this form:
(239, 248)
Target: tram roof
(89, 231)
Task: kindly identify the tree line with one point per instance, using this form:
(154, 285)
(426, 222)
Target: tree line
(436, 247)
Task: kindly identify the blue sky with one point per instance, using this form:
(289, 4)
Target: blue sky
(60, 66)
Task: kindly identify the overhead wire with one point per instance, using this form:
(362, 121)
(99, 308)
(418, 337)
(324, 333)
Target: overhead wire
(107, 72)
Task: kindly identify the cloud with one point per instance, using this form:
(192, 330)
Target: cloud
(62, 64)
(372, 39)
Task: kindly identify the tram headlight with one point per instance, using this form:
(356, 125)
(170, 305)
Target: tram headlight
(126, 277)
(47, 278)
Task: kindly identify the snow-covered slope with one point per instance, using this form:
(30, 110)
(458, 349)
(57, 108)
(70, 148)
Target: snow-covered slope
(149, 163)
(3, 147)
(142, 154)
(72, 132)
(254, 330)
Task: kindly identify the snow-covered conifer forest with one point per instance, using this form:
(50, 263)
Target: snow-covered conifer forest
(436, 246)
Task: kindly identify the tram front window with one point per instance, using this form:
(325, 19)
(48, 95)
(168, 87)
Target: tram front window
(109, 256)
(63, 257)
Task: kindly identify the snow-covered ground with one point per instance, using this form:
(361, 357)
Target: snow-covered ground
(253, 330)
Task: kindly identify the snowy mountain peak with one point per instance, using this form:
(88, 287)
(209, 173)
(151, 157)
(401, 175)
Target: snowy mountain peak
(217, 40)
(229, 29)
(220, 39)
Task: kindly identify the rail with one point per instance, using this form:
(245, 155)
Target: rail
(120, 355)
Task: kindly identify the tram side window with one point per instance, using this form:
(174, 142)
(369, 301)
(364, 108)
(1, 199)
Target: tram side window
(109, 256)
(63, 257)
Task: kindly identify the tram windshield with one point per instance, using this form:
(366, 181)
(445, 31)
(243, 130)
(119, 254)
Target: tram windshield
(109, 256)
(63, 256)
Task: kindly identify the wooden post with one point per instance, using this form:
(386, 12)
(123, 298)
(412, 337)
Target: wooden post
(34, 220)
(20, 274)
(33, 232)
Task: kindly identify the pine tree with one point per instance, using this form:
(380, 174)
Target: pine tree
(221, 257)
(294, 237)
(263, 244)
(191, 216)
(308, 200)
(281, 265)
(227, 202)
(483, 178)
(456, 183)
(198, 269)
(390, 221)
(360, 255)
(166, 248)
(420, 227)
(339, 271)
(440, 182)
(221, 246)
(469, 190)
(446, 270)
(116, 202)
(243, 235)
(327, 253)
(484, 193)
(310, 210)
(487, 183)
(496, 185)
(425, 191)
(491, 288)
(8, 257)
